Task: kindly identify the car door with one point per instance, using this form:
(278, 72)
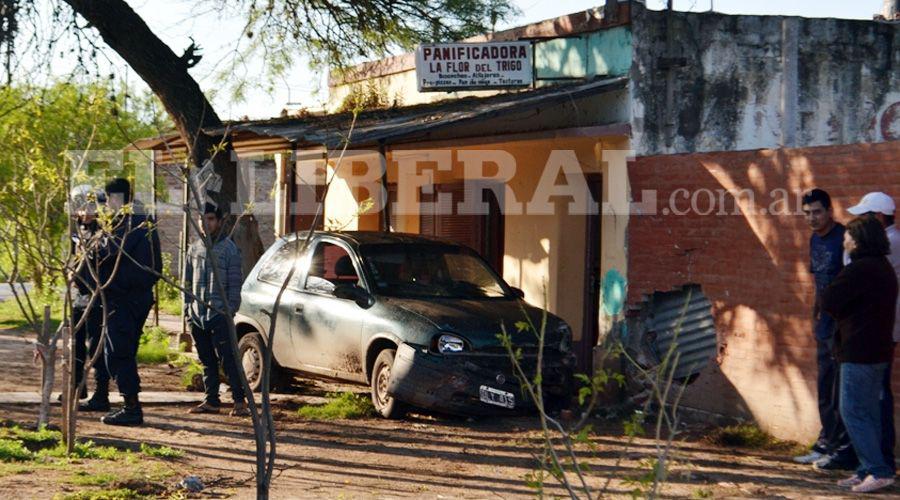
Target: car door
(271, 276)
(327, 329)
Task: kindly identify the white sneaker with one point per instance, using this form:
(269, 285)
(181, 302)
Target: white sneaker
(871, 483)
(850, 481)
(809, 458)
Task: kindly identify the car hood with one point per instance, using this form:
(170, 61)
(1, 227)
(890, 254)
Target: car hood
(479, 321)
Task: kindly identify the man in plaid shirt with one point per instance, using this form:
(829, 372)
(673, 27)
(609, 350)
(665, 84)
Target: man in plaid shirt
(205, 308)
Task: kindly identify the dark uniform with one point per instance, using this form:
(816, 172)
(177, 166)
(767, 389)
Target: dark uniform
(129, 298)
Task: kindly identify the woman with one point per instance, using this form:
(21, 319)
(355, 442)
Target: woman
(861, 299)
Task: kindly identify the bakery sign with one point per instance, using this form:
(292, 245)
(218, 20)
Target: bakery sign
(470, 66)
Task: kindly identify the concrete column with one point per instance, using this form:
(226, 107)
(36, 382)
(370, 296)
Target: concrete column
(789, 81)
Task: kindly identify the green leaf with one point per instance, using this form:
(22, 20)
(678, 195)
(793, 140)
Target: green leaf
(583, 394)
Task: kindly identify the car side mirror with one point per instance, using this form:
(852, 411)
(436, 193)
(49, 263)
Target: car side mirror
(518, 293)
(352, 292)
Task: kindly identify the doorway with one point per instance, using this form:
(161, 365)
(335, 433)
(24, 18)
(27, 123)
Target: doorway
(590, 328)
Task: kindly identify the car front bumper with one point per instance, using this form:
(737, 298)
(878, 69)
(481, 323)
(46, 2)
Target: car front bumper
(460, 383)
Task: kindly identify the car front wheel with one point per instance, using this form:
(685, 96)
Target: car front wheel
(385, 405)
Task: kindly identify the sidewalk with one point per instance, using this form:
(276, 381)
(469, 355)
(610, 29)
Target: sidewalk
(151, 398)
(6, 293)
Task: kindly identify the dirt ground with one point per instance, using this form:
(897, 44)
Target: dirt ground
(421, 456)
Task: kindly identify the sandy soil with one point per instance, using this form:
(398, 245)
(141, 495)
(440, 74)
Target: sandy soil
(421, 456)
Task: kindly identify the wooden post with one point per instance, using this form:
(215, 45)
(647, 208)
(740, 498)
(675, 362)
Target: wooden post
(72, 401)
(66, 394)
(185, 338)
(386, 206)
(155, 228)
(48, 356)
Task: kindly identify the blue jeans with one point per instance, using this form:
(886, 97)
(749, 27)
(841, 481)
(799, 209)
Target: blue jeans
(888, 433)
(833, 438)
(861, 387)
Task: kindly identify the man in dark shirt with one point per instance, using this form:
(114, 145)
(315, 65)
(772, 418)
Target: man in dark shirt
(131, 277)
(832, 449)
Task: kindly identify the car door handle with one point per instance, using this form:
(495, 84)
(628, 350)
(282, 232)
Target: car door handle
(298, 308)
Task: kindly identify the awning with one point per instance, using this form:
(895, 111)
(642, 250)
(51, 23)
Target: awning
(411, 123)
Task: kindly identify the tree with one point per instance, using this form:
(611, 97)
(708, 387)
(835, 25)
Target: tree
(332, 31)
(38, 126)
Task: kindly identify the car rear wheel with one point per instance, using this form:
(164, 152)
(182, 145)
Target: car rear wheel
(250, 349)
(385, 405)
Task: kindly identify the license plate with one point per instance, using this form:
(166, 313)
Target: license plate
(497, 397)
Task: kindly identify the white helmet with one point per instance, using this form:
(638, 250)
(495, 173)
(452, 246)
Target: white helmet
(84, 198)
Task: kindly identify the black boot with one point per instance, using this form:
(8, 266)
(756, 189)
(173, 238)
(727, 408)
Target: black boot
(130, 414)
(98, 402)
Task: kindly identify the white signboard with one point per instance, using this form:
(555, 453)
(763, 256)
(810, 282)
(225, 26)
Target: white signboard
(470, 66)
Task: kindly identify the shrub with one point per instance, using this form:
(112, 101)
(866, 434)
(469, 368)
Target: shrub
(747, 436)
(160, 451)
(154, 346)
(85, 449)
(14, 451)
(345, 405)
(32, 440)
(192, 376)
(116, 494)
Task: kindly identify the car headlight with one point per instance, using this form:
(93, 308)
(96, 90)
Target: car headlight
(450, 343)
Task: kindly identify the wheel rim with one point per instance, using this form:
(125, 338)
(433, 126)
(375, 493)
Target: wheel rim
(381, 386)
(252, 364)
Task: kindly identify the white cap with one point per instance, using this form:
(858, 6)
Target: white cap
(874, 202)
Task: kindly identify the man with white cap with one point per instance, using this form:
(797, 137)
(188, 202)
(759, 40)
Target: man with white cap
(881, 206)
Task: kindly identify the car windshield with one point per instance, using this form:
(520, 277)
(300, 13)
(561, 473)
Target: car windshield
(423, 270)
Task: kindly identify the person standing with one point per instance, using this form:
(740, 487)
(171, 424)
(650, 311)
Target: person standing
(85, 240)
(862, 299)
(132, 265)
(882, 208)
(205, 307)
(832, 449)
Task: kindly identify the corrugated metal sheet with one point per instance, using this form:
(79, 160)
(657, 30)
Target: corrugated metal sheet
(410, 123)
(684, 317)
(400, 125)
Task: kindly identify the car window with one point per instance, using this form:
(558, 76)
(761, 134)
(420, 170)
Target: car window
(428, 270)
(276, 268)
(466, 270)
(330, 266)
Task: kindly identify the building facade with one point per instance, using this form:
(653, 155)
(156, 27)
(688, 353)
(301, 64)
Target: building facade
(695, 134)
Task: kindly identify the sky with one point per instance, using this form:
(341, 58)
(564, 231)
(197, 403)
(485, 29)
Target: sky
(177, 20)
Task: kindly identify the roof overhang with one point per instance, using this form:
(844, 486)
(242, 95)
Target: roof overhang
(585, 105)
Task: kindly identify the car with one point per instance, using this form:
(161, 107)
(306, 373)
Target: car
(415, 318)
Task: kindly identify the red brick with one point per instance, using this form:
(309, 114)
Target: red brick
(731, 257)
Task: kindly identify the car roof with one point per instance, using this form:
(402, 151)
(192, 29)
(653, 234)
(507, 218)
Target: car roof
(358, 238)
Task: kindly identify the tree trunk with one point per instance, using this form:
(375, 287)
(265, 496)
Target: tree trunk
(46, 346)
(167, 75)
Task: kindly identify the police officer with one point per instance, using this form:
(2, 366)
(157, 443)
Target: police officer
(87, 240)
(129, 295)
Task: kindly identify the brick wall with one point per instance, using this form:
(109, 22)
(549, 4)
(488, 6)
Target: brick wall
(752, 266)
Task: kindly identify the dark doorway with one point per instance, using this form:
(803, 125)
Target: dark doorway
(304, 202)
(590, 329)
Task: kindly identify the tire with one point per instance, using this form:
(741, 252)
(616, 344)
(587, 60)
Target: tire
(250, 350)
(385, 405)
